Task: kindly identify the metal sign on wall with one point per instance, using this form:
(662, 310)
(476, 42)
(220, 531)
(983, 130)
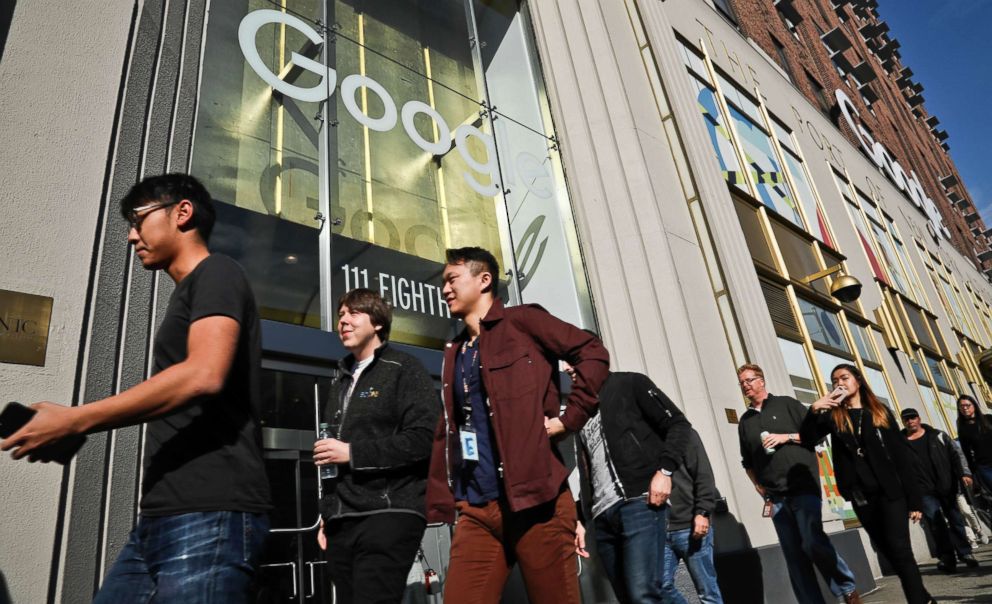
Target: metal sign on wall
(24, 323)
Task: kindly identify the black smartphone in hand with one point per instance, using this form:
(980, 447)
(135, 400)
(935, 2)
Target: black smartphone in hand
(15, 415)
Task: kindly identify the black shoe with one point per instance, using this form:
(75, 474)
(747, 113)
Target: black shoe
(969, 560)
(947, 566)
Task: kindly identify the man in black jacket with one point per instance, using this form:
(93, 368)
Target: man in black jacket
(385, 409)
(631, 450)
(785, 473)
(939, 472)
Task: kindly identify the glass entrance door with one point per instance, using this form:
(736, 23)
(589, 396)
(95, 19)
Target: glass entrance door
(292, 568)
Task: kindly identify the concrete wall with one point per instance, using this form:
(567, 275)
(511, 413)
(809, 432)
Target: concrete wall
(59, 76)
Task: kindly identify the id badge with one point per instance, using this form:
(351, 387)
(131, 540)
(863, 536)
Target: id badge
(470, 445)
(766, 512)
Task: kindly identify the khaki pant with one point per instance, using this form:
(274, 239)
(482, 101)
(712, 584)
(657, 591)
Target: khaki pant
(489, 539)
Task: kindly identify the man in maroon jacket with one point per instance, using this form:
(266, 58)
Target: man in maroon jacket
(493, 461)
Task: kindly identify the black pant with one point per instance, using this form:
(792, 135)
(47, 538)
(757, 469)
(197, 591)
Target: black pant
(887, 523)
(369, 557)
(942, 515)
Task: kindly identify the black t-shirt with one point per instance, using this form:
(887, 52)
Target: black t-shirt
(207, 455)
(924, 469)
(866, 480)
(792, 469)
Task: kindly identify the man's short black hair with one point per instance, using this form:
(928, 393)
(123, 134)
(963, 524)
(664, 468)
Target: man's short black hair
(477, 260)
(171, 189)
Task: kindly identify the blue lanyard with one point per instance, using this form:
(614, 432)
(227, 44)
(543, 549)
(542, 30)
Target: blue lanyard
(465, 366)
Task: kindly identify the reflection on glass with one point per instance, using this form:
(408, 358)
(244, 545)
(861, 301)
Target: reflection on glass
(937, 371)
(256, 152)
(803, 384)
(754, 235)
(862, 228)
(716, 127)
(948, 403)
(764, 168)
(823, 325)
(434, 132)
(876, 380)
(817, 224)
(891, 262)
(918, 371)
(861, 335)
(797, 252)
(931, 405)
(827, 362)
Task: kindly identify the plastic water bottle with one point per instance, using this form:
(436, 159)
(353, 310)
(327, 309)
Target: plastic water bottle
(330, 470)
(768, 450)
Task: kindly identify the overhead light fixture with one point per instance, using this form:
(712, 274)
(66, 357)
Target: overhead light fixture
(845, 287)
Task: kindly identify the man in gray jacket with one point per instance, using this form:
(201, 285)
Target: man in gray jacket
(690, 537)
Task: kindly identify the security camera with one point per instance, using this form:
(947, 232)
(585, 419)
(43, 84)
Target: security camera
(845, 288)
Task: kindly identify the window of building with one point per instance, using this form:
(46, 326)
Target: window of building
(819, 93)
(363, 179)
(725, 9)
(817, 224)
(860, 226)
(781, 58)
(800, 374)
(823, 326)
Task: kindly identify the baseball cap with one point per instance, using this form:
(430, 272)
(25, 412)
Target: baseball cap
(908, 413)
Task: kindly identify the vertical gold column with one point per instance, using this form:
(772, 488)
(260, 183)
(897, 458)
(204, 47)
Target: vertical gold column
(365, 129)
(280, 117)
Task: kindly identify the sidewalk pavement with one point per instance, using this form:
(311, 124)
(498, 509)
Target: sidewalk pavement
(968, 585)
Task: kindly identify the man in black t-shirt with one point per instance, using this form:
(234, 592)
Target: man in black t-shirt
(205, 496)
(939, 472)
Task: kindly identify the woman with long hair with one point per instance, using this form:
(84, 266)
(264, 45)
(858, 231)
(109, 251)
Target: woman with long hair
(975, 434)
(873, 466)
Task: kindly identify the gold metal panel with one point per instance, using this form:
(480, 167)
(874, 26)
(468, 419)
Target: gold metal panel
(24, 323)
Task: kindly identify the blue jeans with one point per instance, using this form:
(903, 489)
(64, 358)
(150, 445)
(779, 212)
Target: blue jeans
(983, 474)
(630, 539)
(196, 558)
(947, 526)
(798, 522)
(698, 556)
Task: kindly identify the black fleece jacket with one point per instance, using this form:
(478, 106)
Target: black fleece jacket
(943, 458)
(389, 424)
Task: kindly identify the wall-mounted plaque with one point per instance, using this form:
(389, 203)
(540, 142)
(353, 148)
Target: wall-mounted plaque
(24, 322)
(731, 415)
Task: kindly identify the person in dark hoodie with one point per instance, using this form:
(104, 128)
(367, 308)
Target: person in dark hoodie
(939, 472)
(975, 434)
(690, 536)
(384, 404)
(630, 452)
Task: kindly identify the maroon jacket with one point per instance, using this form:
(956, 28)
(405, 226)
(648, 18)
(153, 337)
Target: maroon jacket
(519, 349)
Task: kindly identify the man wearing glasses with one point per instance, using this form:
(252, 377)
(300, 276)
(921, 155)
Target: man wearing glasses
(785, 473)
(205, 495)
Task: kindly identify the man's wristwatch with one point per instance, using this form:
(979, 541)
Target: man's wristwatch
(703, 513)
(665, 472)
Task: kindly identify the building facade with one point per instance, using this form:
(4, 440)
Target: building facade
(654, 170)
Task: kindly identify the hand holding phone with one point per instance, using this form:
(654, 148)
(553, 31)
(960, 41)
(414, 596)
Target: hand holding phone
(60, 449)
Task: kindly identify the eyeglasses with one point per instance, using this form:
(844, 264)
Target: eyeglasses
(747, 381)
(136, 216)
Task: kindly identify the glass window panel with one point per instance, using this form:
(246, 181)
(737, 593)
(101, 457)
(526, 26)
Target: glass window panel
(798, 254)
(720, 138)
(920, 326)
(757, 243)
(827, 362)
(397, 193)
(692, 60)
(868, 206)
(876, 380)
(817, 224)
(862, 228)
(891, 262)
(907, 265)
(865, 349)
(918, 371)
(741, 100)
(783, 135)
(823, 325)
(948, 403)
(803, 384)
(935, 330)
(937, 371)
(931, 408)
(765, 169)
(955, 308)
